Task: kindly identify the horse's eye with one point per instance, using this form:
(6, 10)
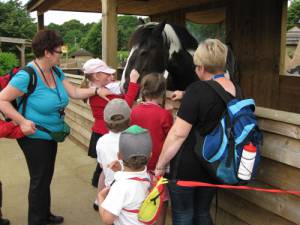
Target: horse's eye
(143, 52)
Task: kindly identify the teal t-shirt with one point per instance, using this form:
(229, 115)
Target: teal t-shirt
(44, 103)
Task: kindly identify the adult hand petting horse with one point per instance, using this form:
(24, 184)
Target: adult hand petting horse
(177, 95)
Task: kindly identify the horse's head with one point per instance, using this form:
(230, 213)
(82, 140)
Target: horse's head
(149, 51)
(161, 48)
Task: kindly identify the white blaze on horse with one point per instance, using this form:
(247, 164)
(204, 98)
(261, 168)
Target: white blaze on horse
(166, 49)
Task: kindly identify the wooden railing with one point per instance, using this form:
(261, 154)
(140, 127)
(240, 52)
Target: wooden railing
(279, 168)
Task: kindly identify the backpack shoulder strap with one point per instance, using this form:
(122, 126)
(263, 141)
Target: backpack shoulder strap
(31, 87)
(32, 79)
(57, 71)
(226, 97)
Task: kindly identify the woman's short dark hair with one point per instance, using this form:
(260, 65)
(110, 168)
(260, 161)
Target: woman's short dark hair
(46, 40)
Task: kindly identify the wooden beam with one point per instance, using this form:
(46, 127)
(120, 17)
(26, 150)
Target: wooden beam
(282, 69)
(109, 32)
(13, 40)
(40, 24)
(22, 54)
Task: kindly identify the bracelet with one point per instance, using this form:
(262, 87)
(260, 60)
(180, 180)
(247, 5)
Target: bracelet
(96, 90)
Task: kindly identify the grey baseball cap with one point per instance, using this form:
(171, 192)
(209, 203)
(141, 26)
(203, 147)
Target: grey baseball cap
(135, 141)
(115, 107)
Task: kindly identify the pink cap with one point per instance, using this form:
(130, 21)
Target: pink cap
(95, 66)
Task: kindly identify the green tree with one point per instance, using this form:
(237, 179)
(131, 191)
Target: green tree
(7, 62)
(126, 26)
(15, 22)
(293, 14)
(72, 32)
(93, 40)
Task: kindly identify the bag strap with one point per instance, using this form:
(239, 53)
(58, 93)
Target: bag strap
(30, 88)
(226, 97)
(57, 71)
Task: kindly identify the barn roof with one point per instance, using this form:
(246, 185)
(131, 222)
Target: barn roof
(81, 52)
(293, 36)
(200, 11)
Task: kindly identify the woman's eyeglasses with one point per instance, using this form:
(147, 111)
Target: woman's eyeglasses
(58, 52)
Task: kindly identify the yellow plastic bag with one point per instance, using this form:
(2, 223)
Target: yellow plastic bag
(151, 206)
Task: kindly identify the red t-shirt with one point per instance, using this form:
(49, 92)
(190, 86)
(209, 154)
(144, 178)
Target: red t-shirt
(98, 104)
(158, 121)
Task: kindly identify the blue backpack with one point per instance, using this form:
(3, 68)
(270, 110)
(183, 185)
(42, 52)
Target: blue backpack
(220, 150)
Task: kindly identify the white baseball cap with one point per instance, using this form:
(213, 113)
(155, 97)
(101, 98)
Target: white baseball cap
(95, 66)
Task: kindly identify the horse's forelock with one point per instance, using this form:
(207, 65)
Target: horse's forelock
(141, 33)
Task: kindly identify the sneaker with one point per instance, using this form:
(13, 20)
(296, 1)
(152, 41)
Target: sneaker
(4, 221)
(53, 219)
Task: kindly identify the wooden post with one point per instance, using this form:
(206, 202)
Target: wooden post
(282, 66)
(40, 24)
(22, 54)
(109, 32)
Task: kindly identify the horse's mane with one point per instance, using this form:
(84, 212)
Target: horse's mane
(187, 40)
(141, 34)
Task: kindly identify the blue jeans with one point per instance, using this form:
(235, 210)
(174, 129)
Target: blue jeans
(191, 206)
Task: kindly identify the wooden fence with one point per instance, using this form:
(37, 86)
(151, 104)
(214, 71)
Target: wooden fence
(280, 168)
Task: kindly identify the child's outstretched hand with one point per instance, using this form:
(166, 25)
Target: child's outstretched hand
(115, 166)
(134, 76)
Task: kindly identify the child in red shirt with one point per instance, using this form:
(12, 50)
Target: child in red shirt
(99, 75)
(150, 114)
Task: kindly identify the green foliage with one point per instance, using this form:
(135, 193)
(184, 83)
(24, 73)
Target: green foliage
(126, 26)
(122, 56)
(203, 31)
(93, 40)
(293, 14)
(15, 22)
(7, 62)
(72, 32)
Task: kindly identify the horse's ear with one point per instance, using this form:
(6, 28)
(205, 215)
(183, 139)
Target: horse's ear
(159, 29)
(141, 21)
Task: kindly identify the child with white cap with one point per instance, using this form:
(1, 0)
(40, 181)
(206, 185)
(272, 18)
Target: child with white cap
(99, 75)
(120, 203)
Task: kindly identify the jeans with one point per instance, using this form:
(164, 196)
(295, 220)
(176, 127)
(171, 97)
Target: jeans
(191, 206)
(40, 157)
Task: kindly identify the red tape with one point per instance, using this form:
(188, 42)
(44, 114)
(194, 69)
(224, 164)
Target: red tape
(224, 186)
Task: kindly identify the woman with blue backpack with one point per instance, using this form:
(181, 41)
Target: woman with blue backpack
(200, 109)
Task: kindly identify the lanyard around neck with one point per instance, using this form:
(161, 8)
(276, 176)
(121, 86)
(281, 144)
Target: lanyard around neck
(41, 71)
(217, 76)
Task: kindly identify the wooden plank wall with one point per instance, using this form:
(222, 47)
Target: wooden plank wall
(254, 30)
(280, 168)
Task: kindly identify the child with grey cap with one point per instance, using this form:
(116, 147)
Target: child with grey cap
(116, 116)
(120, 203)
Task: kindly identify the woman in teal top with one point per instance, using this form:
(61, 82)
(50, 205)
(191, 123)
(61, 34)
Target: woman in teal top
(44, 108)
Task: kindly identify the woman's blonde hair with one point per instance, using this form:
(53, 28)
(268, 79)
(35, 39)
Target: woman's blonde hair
(211, 54)
(88, 78)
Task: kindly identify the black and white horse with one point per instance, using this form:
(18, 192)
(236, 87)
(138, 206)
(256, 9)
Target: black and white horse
(167, 49)
(163, 48)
